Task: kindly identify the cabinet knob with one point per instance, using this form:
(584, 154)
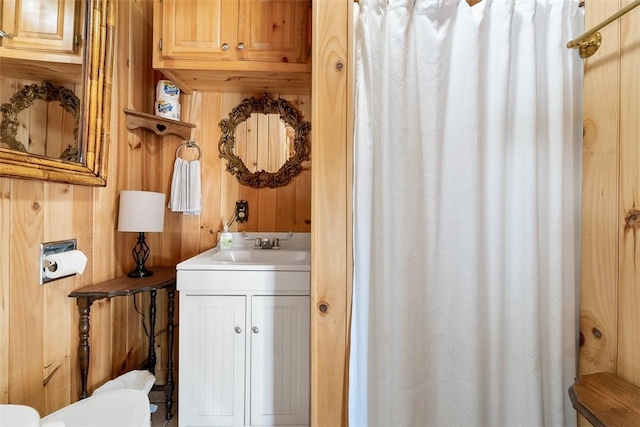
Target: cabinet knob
(255, 329)
(225, 46)
(240, 45)
(238, 330)
(4, 34)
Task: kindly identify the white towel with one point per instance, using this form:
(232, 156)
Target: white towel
(186, 187)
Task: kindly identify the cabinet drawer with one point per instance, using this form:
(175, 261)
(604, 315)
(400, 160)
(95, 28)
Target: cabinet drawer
(212, 282)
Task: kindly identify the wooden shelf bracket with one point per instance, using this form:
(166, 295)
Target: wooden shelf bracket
(158, 125)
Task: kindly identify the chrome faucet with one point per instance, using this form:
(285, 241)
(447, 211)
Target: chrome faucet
(265, 243)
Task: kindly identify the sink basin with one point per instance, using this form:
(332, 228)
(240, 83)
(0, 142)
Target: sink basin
(261, 256)
(294, 255)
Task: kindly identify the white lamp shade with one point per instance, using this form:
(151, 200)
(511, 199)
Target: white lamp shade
(141, 211)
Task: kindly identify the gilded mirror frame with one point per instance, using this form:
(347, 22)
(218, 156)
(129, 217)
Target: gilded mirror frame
(290, 116)
(95, 115)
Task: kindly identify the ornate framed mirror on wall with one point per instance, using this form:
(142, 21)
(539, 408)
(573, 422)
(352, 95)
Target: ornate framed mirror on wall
(55, 87)
(264, 142)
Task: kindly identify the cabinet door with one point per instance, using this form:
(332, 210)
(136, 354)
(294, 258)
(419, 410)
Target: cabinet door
(43, 25)
(196, 29)
(212, 360)
(272, 30)
(280, 360)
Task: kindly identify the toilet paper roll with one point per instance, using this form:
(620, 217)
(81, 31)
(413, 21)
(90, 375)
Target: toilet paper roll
(165, 89)
(65, 264)
(168, 109)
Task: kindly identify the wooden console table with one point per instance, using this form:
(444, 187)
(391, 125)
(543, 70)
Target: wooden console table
(163, 278)
(606, 400)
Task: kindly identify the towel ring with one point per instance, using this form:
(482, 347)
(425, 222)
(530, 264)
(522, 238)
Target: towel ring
(189, 144)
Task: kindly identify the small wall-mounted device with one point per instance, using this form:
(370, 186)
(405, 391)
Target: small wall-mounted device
(50, 249)
(242, 211)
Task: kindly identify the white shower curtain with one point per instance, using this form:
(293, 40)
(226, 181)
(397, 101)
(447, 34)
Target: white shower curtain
(467, 147)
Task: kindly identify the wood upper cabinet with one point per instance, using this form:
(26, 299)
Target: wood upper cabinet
(249, 45)
(196, 29)
(271, 30)
(50, 26)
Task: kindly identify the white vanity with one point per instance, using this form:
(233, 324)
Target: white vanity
(244, 334)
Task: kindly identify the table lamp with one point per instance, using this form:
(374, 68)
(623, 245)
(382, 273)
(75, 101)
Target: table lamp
(140, 212)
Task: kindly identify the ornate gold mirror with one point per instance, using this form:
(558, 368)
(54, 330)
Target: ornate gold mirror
(56, 64)
(39, 96)
(264, 142)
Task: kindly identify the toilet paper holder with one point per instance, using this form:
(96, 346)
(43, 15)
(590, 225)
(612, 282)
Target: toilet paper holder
(53, 248)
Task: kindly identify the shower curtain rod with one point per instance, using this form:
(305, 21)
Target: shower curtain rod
(589, 42)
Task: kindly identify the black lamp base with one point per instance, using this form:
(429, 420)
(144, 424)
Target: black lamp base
(140, 254)
(139, 272)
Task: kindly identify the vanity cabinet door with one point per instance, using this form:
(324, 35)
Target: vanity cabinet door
(41, 26)
(279, 360)
(274, 30)
(212, 360)
(195, 29)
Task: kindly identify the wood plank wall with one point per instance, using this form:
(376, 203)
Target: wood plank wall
(610, 279)
(38, 324)
(331, 255)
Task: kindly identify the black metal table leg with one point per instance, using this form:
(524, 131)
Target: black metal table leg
(169, 387)
(151, 357)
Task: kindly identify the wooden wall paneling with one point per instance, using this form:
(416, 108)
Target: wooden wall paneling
(171, 236)
(267, 197)
(600, 218)
(267, 204)
(211, 169)
(37, 140)
(285, 212)
(230, 188)
(241, 143)
(277, 153)
(5, 285)
(56, 136)
(83, 232)
(251, 195)
(262, 132)
(26, 342)
(190, 232)
(354, 10)
(329, 256)
(250, 157)
(141, 92)
(286, 203)
(303, 180)
(628, 362)
(57, 318)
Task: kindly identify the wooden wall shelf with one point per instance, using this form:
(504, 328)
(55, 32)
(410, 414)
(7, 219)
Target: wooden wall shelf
(158, 125)
(606, 400)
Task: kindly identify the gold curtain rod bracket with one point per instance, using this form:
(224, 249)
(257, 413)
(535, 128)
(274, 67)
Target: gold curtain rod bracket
(589, 42)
